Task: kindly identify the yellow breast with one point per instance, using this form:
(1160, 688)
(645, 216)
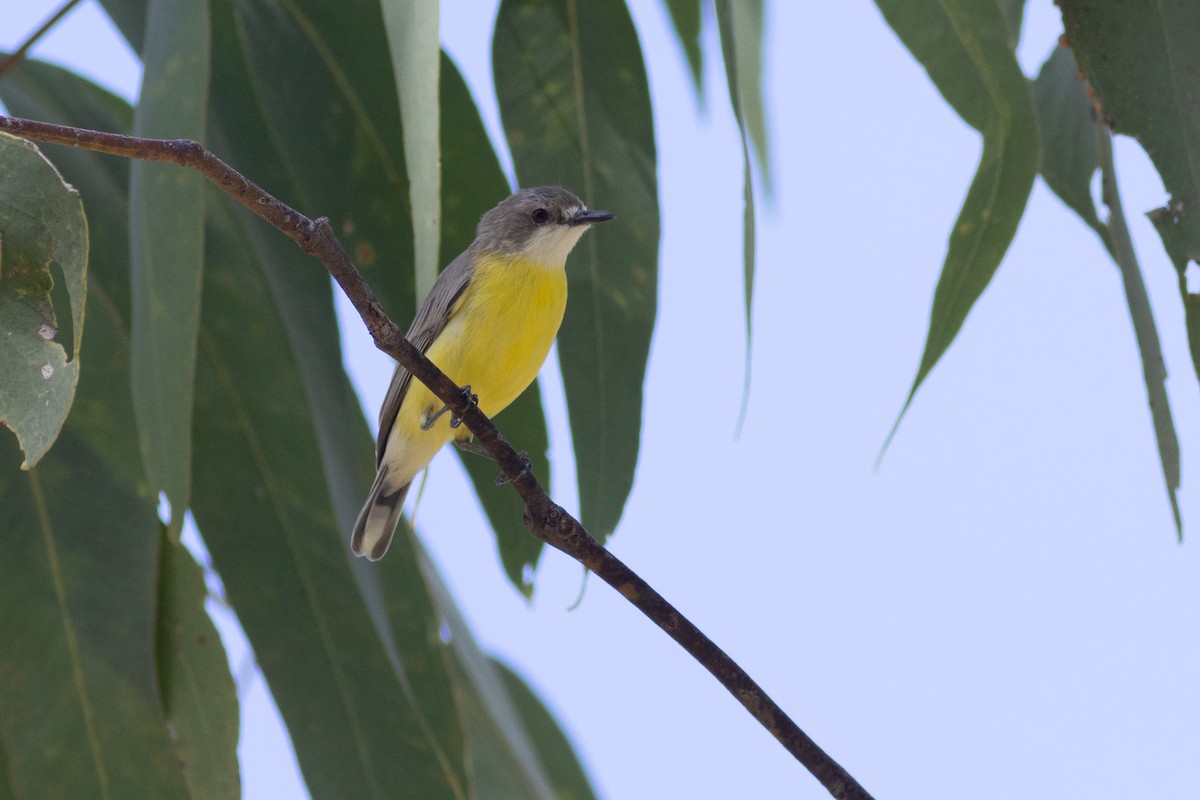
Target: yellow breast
(497, 339)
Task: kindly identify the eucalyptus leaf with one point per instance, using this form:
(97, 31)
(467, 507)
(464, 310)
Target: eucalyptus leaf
(566, 773)
(412, 32)
(686, 17)
(42, 227)
(166, 234)
(1141, 59)
(1069, 154)
(81, 710)
(1074, 146)
(965, 47)
(199, 697)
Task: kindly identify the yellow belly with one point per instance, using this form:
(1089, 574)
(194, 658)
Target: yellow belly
(496, 341)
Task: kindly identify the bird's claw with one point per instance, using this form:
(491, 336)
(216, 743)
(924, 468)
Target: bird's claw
(455, 421)
(472, 401)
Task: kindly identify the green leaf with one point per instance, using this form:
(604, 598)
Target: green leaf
(504, 760)
(412, 32)
(41, 224)
(741, 26)
(1142, 61)
(107, 463)
(40, 91)
(576, 109)
(1014, 15)
(429, 670)
(6, 781)
(964, 44)
(80, 714)
(334, 55)
(264, 508)
(1154, 370)
(932, 33)
(686, 17)
(1069, 155)
(80, 703)
(199, 697)
(472, 181)
(566, 773)
(166, 226)
(396, 606)
(1073, 144)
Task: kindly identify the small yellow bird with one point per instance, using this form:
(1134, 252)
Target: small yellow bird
(488, 323)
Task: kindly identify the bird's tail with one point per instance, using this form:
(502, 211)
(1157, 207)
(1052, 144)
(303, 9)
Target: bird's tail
(377, 521)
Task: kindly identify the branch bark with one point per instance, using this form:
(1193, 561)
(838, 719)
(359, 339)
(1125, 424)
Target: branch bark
(546, 519)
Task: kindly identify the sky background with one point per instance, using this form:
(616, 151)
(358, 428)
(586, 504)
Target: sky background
(1002, 610)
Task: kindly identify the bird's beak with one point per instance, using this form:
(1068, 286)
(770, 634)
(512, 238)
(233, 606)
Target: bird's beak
(591, 217)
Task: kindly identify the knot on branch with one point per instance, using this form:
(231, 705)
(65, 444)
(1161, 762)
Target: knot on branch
(545, 521)
(188, 151)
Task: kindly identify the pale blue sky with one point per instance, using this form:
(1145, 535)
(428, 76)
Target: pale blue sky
(1001, 611)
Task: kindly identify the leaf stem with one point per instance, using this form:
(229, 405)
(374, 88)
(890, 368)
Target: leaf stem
(546, 519)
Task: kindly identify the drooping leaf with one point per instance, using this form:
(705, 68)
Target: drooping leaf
(1014, 16)
(573, 97)
(166, 226)
(412, 32)
(1154, 370)
(429, 669)
(741, 26)
(504, 760)
(264, 508)
(396, 604)
(345, 134)
(1072, 145)
(199, 697)
(40, 91)
(964, 45)
(80, 714)
(1141, 59)
(1069, 156)
(80, 702)
(686, 17)
(41, 224)
(927, 28)
(566, 773)
(304, 300)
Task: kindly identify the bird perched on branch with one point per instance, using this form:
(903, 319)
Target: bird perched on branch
(488, 323)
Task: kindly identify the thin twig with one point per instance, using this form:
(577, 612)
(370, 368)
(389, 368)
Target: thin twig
(546, 519)
(17, 55)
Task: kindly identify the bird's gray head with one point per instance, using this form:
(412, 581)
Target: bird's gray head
(541, 224)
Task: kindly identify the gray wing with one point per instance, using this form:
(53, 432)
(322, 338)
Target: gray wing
(431, 318)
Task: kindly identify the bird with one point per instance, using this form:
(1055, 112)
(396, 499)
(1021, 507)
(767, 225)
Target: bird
(488, 323)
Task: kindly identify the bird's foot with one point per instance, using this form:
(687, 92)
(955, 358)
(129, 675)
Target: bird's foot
(471, 400)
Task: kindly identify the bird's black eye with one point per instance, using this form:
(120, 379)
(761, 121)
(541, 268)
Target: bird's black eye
(540, 216)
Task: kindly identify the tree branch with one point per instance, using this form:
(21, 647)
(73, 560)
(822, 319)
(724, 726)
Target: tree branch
(546, 519)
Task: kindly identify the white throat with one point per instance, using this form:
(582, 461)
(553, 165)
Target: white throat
(550, 246)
